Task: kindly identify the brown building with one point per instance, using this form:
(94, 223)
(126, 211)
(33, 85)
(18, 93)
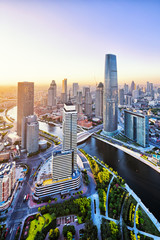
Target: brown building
(25, 104)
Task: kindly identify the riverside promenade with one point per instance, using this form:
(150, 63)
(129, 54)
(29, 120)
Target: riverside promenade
(128, 151)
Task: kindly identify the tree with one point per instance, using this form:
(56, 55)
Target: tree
(69, 235)
(37, 216)
(54, 234)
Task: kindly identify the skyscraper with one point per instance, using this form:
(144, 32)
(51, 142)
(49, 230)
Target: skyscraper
(75, 89)
(126, 88)
(70, 130)
(121, 97)
(88, 102)
(99, 101)
(79, 102)
(133, 86)
(52, 94)
(25, 104)
(110, 98)
(65, 175)
(64, 90)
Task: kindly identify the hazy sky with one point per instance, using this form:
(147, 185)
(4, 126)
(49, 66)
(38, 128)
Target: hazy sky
(55, 39)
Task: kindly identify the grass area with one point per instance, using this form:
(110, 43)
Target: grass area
(37, 225)
(146, 224)
(124, 139)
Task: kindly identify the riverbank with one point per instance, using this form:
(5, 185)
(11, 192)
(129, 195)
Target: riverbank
(130, 152)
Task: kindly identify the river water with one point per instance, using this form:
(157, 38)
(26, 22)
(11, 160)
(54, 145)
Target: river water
(144, 181)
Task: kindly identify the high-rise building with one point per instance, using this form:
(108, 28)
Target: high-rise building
(79, 102)
(52, 94)
(133, 86)
(121, 97)
(148, 87)
(25, 103)
(99, 101)
(88, 102)
(110, 98)
(126, 89)
(30, 134)
(128, 100)
(65, 175)
(64, 90)
(75, 89)
(7, 180)
(135, 94)
(136, 127)
(70, 130)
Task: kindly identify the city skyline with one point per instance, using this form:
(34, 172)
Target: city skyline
(57, 40)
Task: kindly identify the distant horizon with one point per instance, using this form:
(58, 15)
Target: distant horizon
(45, 40)
(80, 84)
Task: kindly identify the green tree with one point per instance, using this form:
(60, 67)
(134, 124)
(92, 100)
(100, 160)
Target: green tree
(69, 235)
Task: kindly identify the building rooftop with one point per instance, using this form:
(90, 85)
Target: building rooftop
(69, 107)
(5, 168)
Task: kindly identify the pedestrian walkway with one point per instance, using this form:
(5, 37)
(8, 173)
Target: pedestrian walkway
(107, 198)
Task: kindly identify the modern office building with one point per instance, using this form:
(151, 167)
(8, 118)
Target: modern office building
(136, 127)
(30, 134)
(7, 180)
(121, 97)
(110, 97)
(65, 175)
(70, 130)
(99, 101)
(25, 103)
(52, 94)
(87, 102)
(79, 102)
(75, 89)
(64, 91)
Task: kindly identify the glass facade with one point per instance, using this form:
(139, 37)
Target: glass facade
(110, 97)
(136, 127)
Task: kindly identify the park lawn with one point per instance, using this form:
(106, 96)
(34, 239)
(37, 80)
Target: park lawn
(148, 226)
(32, 231)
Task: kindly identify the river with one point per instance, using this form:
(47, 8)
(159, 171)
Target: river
(144, 181)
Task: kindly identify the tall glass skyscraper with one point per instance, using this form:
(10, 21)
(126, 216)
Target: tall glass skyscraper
(110, 97)
(70, 130)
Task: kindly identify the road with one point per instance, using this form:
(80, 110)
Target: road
(19, 208)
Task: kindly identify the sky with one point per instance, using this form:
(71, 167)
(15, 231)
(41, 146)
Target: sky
(56, 39)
